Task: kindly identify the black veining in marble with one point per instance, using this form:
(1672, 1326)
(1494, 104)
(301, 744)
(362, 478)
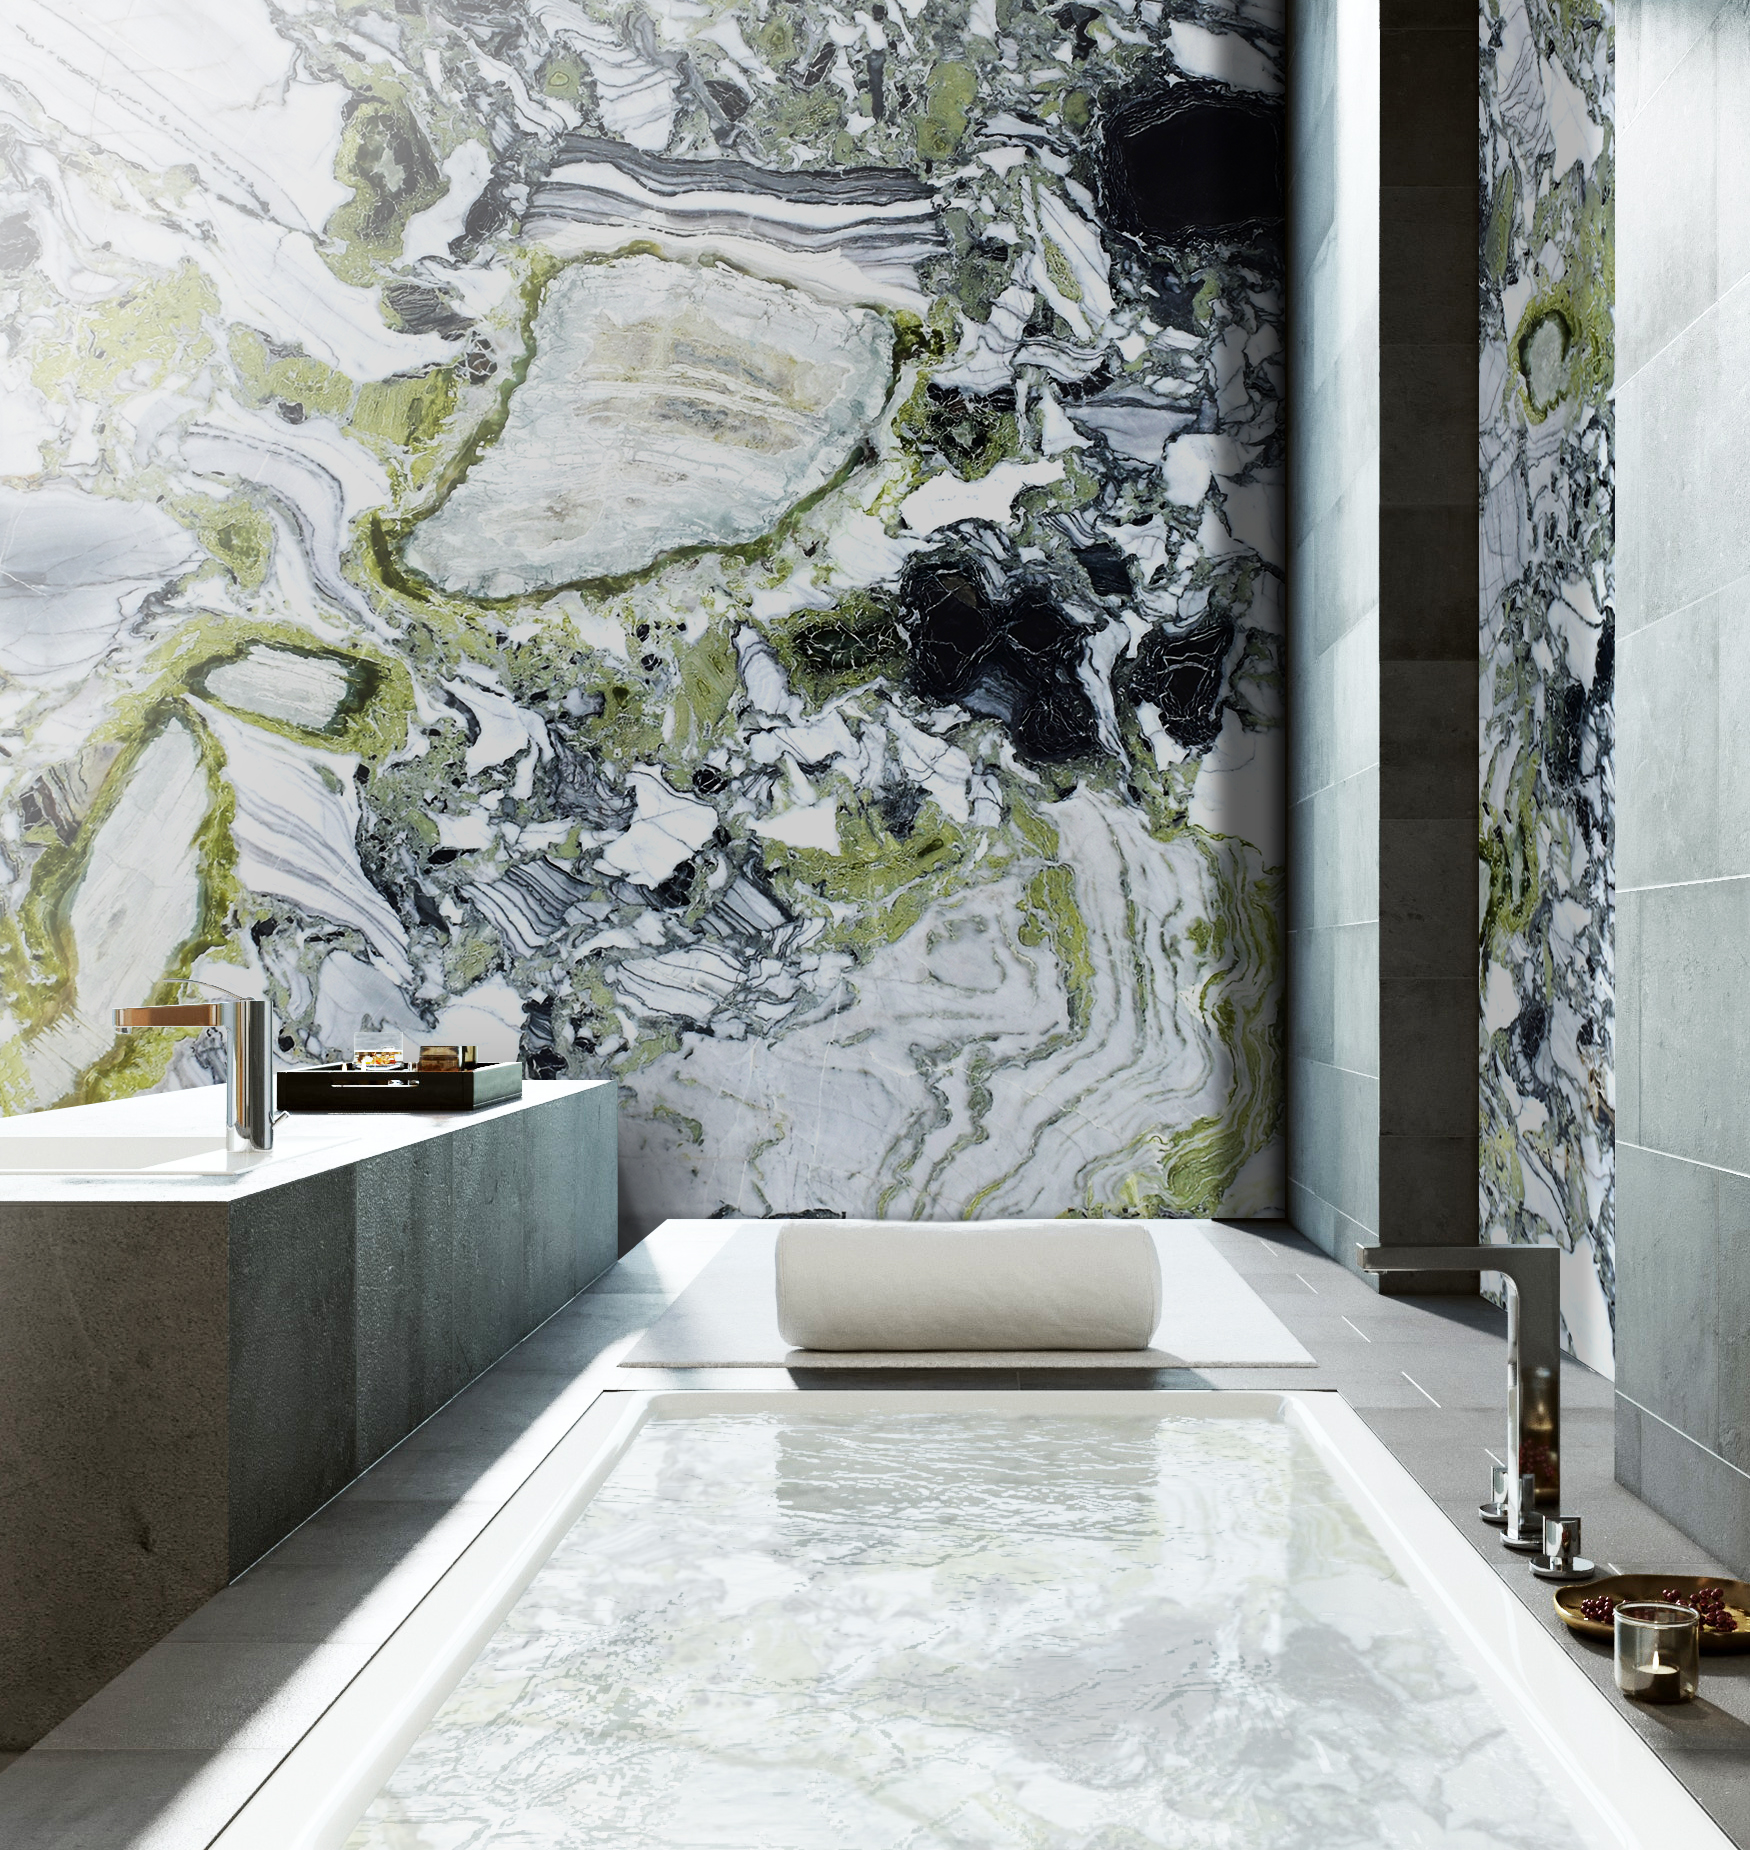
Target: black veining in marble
(1014, 659)
(1192, 160)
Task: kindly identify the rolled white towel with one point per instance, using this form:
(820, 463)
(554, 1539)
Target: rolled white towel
(920, 1285)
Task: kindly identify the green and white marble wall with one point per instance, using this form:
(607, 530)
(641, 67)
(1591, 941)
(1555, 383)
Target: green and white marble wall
(1547, 645)
(729, 543)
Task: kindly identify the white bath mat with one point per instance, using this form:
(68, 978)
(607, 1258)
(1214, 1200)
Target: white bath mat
(727, 1317)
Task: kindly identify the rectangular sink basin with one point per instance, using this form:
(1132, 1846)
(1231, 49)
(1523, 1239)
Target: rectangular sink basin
(116, 1156)
(167, 1158)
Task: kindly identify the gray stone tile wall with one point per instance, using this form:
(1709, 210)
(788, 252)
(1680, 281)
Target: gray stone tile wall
(1683, 897)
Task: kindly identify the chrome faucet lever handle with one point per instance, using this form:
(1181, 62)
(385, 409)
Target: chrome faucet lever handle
(201, 982)
(1561, 1536)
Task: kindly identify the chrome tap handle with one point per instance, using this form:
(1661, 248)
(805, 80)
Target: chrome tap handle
(1495, 1510)
(1561, 1558)
(1524, 1533)
(1561, 1541)
(173, 1015)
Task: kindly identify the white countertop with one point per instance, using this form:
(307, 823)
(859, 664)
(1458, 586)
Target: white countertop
(305, 1143)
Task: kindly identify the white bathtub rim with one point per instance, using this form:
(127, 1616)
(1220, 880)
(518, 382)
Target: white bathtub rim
(317, 1793)
(1592, 1755)
(1617, 1788)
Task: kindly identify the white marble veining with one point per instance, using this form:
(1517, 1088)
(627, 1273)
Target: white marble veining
(667, 406)
(140, 903)
(869, 756)
(940, 1102)
(74, 569)
(304, 689)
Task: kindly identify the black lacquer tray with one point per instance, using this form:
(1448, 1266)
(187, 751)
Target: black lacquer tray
(396, 1088)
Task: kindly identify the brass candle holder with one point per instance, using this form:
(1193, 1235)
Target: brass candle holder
(446, 1059)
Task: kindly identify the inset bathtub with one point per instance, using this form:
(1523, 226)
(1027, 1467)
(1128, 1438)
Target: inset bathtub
(889, 1618)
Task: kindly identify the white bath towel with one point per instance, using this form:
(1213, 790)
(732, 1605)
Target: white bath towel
(971, 1285)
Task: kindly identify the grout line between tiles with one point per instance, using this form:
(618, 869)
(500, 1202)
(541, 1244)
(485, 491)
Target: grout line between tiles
(1418, 1387)
(1678, 1430)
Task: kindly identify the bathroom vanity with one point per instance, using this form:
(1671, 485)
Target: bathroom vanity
(197, 1351)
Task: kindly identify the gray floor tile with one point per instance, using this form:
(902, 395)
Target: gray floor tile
(498, 1410)
(182, 1698)
(570, 1342)
(1159, 1380)
(380, 1537)
(289, 1604)
(1277, 1289)
(436, 1473)
(1389, 1388)
(104, 1801)
(635, 1273)
(1455, 1384)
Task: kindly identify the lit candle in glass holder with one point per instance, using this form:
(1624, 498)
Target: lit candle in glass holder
(1658, 1652)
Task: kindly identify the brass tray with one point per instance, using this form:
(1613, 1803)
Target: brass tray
(1643, 1587)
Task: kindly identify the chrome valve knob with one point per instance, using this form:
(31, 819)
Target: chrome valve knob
(1561, 1558)
(1524, 1533)
(1495, 1510)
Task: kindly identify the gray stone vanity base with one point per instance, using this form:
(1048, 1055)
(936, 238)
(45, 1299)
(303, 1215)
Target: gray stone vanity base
(187, 1371)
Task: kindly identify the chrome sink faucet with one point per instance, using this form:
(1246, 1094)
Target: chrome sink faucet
(1534, 1365)
(247, 1025)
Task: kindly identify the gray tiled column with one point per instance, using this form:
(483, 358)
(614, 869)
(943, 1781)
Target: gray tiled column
(1333, 886)
(1383, 595)
(1427, 627)
(1683, 767)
